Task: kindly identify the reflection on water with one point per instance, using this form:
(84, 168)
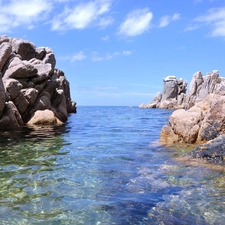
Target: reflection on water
(29, 163)
(104, 167)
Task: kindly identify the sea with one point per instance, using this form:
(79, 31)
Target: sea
(105, 166)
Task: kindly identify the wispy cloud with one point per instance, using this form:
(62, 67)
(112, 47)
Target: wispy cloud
(126, 52)
(83, 15)
(106, 38)
(22, 13)
(166, 20)
(136, 23)
(197, 1)
(215, 18)
(192, 27)
(78, 56)
(95, 55)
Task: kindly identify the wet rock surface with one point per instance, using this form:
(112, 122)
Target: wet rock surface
(213, 151)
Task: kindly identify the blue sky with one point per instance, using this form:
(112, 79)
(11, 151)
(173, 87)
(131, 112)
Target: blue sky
(116, 52)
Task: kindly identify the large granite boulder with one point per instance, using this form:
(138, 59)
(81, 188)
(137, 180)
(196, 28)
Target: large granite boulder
(201, 123)
(30, 83)
(174, 94)
(44, 117)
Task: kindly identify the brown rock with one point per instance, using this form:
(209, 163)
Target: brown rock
(2, 96)
(30, 83)
(5, 52)
(201, 123)
(11, 118)
(25, 49)
(44, 117)
(167, 136)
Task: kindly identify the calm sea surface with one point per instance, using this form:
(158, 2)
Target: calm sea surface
(105, 166)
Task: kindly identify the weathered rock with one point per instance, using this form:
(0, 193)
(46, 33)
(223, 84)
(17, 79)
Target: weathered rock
(30, 83)
(213, 151)
(214, 119)
(201, 123)
(2, 96)
(25, 49)
(174, 91)
(170, 89)
(168, 137)
(5, 52)
(20, 69)
(173, 95)
(10, 118)
(44, 117)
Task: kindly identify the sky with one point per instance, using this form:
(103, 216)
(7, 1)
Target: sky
(117, 52)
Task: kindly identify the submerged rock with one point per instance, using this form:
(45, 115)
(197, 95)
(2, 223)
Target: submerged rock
(29, 82)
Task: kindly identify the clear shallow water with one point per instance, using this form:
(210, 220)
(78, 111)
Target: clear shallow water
(104, 166)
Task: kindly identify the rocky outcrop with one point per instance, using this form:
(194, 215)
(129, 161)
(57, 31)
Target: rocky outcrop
(201, 123)
(29, 82)
(174, 94)
(174, 91)
(213, 151)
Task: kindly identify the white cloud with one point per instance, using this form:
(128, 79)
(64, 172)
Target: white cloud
(197, 1)
(95, 55)
(106, 38)
(112, 55)
(166, 20)
(126, 52)
(215, 17)
(78, 56)
(20, 13)
(83, 15)
(136, 22)
(192, 27)
(104, 22)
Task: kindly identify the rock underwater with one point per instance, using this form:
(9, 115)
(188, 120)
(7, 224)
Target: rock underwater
(30, 83)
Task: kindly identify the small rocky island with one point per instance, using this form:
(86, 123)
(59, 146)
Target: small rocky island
(176, 96)
(199, 117)
(32, 90)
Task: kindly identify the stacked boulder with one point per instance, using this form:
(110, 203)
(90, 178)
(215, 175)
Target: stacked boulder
(30, 84)
(203, 124)
(174, 94)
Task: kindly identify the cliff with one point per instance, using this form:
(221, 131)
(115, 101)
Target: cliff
(30, 85)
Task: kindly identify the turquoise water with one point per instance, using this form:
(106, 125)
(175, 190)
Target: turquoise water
(105, 166)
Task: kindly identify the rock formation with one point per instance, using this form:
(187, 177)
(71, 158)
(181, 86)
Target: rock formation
(201, 123)
(213, 151)
(29, 82)
(174, 94)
